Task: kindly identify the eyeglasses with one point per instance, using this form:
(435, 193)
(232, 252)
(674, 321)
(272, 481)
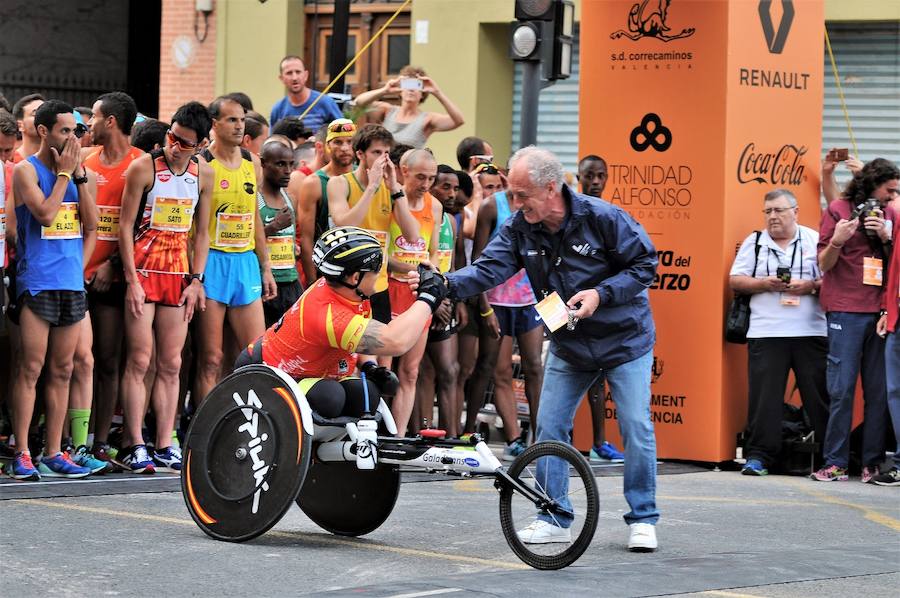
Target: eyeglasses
(486, 168)
(176, 140)
(779, 211)
(341, 128)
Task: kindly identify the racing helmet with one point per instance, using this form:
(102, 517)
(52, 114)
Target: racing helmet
(343, 250)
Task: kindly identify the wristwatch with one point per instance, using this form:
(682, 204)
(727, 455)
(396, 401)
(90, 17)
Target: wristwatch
(80, 180)
(201, 277)
(397, 195)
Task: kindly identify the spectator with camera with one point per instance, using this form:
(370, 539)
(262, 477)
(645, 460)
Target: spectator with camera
(854, 247)
(777, 266)
(406, 122)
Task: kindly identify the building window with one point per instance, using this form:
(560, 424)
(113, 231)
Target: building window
(397, 51)
(325, 53)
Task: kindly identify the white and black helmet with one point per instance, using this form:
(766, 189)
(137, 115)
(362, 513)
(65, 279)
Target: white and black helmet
(343, 250)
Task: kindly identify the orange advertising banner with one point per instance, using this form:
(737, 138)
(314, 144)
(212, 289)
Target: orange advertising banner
(700, 107)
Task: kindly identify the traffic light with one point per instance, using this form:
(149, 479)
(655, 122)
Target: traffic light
(544, 31)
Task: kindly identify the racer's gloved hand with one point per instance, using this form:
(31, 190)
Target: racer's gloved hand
(432, 287)
(382, 377)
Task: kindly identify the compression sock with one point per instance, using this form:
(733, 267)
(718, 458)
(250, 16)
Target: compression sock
(78, 424)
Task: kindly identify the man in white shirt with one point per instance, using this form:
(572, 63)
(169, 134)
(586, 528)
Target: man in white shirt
(787, 326)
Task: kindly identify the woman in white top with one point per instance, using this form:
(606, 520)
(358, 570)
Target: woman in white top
(407, 122)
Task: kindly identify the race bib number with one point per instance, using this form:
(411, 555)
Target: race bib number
(281, 252)
(173, 214)
(108, 223)
(233, 230)
(872, 269)
(443, 259)
(553, 311)
(66, 224)
(410, 258)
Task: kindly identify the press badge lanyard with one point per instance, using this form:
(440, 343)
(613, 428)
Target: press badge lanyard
(553, 311)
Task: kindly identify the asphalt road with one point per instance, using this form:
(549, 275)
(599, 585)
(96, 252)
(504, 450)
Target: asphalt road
(721, 534)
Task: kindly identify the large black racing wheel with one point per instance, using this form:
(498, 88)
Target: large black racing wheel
(246, 454)
(571, 510)
(348, 501)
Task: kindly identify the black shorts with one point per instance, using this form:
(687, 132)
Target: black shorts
(14, 306)
(288, 293)
(381, 306)
(58, 308)
(114, 297)
(517, 320)
(436, 335)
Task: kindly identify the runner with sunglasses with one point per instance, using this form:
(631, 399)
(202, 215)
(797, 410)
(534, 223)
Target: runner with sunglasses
(167, 195)
(312, 213)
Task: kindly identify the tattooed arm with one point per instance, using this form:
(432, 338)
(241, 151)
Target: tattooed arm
(399, 336)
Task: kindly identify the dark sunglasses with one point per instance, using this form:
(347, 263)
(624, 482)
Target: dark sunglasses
(80, 130)
(176, 140)
(341, 128)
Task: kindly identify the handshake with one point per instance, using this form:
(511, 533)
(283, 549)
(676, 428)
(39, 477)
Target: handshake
(431, 287)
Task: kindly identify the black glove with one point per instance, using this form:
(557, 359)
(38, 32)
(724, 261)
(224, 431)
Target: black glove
(383, 378)
(432, 287)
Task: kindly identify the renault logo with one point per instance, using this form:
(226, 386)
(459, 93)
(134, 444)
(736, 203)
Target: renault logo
(776, 37)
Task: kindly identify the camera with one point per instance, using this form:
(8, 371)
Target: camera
(868, 208)
(783, 273)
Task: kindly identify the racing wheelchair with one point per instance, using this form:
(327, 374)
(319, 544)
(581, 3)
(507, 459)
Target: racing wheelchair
(255, 446)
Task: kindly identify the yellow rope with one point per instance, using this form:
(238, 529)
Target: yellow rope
(355, 58)
(837, 81)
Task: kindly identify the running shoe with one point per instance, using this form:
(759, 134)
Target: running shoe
(754, 467)
(21, 468)
(608, 453)
(168, 459)
(541, 532)
(61, 465)
(832, 473)
(869, 472)
(513, 449)
(642, 537)
(888, 478)
(84, 458)
(138, 461)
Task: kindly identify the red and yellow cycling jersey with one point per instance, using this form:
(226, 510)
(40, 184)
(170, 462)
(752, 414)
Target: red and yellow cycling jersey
(318, 336)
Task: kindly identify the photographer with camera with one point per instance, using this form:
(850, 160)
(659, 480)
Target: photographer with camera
(407, 123)
(777, 266)
(854, 248)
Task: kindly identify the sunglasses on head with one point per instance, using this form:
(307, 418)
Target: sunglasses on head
(176, 140)
(341, 128)
(486, 169)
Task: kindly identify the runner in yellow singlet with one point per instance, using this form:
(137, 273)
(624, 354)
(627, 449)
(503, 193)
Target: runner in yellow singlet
(369, 197)
(238, 276)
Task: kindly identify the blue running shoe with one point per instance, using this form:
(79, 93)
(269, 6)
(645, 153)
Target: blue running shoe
(513, 449)
(754, 467)
(22, 468)
(138, 461)
(61, 465)
(84, 458)
(168, 459)
(608, 453)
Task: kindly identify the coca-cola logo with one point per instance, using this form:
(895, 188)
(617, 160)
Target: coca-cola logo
(781, 167)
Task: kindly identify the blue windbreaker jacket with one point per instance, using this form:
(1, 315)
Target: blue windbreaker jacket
(599, 246)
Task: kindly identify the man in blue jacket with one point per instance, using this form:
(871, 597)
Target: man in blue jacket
(595, 259)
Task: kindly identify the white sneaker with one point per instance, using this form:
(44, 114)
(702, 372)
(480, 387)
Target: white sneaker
(642, 537)
(541, 532)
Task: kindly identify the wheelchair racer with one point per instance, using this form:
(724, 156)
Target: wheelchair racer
(329, 331)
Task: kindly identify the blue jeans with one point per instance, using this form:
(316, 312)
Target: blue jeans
(854, 346)
(562, 392)
(892, 371)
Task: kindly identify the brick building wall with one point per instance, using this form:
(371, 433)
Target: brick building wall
(197, 81)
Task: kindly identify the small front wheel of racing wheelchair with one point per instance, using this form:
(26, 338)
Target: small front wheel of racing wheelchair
(548, 505)
(246, 454)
